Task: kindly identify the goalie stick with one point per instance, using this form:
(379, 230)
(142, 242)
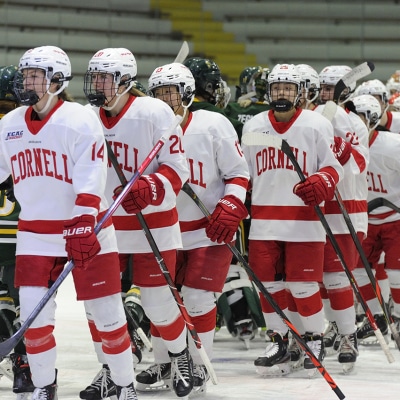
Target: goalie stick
(183, 53)
(164, 270)
(262, 139)
(190, 192)
(351, 77)
(7, 345)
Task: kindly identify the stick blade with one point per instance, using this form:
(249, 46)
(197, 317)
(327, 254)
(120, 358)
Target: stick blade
(183, 53)
(359, 72)
(261, 139)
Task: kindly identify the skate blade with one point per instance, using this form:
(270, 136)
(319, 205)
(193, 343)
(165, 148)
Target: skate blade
(274, 371)
(198, 391)
(372, 341)
(158, 386)
(23, 396)
(348, 368)
(246, 342)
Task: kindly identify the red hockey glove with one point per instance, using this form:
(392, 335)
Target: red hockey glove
(225, 219)
(315, 189)
(81, 241)
(148, 189)
(342, 150)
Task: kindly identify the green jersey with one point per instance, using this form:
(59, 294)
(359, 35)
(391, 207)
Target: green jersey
(204, 105)
(243, 114)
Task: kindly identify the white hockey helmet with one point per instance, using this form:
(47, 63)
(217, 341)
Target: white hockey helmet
(120, 63)
(284, 73)
(369, 106)
(174, 74)
(393, 83)
(374, 87)
(394, 102)
(53, 61)
(331, 75)
(310, 80)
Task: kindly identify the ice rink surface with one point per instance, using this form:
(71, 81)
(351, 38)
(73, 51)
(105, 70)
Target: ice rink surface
(373, 378)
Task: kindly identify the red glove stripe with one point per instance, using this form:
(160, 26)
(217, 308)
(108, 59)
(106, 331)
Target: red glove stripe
(332, 172)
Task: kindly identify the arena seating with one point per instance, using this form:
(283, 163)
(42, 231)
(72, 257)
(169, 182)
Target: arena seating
(235, 33)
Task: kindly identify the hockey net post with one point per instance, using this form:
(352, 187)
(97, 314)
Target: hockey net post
(268, 140)
(7, 345)
(190, 192)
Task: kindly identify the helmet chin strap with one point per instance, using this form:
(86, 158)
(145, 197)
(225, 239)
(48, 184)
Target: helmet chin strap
(118, 98)
(48, 102)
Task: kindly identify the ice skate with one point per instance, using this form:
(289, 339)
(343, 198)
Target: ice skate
(316, 344)
(156, 377)
(365, 333)
(48, 392)
(348, 352)
(22, 382)
(101, 387)
(330, 338)
(182, 373)
(276, 354)
(297, 356)
(245, 331)
(126, 393)
(201, 377)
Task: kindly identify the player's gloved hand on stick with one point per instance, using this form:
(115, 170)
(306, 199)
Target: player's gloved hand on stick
(342, 150)
(81, 241)
(225, 219)
(147, 190)
(316, 188)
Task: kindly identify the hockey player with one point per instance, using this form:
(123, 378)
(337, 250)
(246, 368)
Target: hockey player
(253, 82)
(206, 74)
(219, 176)
(56, 145)
(390, 120)
(9, 212)
(383, 224)
(286, 241)
(133, 125)
(209, 88)
(352, 153)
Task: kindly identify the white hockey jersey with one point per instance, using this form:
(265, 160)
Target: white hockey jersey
(353, 187)
(59, 168)
(277, 213)
(217, 168)
(384, 175)
(132, 136)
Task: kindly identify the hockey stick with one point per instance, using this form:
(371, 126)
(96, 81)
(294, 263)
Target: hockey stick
(382, 202)
(183, 53)
(368, 269)
(164, 270)
(190, 192)
(351, 77)
(262, 139)
(329, 112)
(10, 343)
